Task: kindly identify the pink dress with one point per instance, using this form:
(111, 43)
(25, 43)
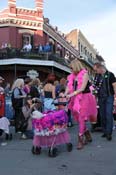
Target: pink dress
(83, 105)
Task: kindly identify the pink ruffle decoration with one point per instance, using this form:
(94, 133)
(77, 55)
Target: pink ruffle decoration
(48, 141)
(52, 123)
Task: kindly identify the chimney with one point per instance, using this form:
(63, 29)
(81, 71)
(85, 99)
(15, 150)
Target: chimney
(39, 4)
(12, 6)
(39, 7)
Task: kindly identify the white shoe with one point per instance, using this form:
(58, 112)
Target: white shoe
(23, 136)
(114, 127)
(3, 143)
(19, 132)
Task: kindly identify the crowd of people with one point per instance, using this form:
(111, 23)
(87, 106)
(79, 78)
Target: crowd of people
(76, 94)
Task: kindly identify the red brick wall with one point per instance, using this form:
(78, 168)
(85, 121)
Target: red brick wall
(10, 35)
(13, 36)
(38, 38)
(4, 35)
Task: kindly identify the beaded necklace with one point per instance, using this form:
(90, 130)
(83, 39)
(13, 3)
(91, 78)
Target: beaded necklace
(98, 81)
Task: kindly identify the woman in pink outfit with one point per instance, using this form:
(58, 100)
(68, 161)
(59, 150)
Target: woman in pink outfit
(82, 103)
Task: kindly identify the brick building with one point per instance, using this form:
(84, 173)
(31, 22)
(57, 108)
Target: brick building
(18, 25)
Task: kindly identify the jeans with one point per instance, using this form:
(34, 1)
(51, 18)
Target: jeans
(106, 113)
(9, 113)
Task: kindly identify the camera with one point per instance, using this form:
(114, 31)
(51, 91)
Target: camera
(36, 100)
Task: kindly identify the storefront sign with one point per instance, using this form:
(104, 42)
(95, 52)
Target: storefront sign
(32, 74)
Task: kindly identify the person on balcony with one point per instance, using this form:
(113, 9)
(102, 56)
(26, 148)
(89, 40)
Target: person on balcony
(47, 48)
(4, 45)
(27, 47)
(40, 48)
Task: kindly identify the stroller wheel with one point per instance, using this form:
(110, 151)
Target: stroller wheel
(53, 152)
(69, 147)
(36, 150)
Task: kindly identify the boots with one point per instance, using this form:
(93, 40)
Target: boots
(80, 142)
(88, 136)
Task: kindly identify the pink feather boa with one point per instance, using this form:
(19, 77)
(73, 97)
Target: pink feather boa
(74, 103)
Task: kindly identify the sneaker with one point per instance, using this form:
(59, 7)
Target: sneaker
(114, 127)
(19, 132)
(3, 143)
(23, 136)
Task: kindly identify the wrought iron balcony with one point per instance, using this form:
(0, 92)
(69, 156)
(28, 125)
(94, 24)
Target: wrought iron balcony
(9, 53)
(88, 60)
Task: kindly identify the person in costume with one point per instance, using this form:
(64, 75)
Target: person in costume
(82, 103)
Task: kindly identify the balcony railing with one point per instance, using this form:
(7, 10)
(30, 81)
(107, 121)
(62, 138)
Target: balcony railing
(8, 53)
(86, 59)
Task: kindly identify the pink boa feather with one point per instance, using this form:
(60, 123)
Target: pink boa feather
(74, 103)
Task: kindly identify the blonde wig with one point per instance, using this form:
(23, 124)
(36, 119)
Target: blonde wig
(76, 66)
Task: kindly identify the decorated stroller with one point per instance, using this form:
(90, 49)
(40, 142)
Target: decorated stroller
(50, 130)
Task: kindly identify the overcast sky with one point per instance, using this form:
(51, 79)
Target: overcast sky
(95, 18)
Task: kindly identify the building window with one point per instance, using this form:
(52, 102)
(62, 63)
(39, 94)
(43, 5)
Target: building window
(81, 48)
(26, 37)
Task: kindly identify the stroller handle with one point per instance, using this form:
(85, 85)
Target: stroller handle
(56, 102)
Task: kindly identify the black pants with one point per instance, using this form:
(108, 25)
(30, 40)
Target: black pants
(1, 132)
(18, 118)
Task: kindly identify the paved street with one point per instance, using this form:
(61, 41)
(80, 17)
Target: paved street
(97, 158)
